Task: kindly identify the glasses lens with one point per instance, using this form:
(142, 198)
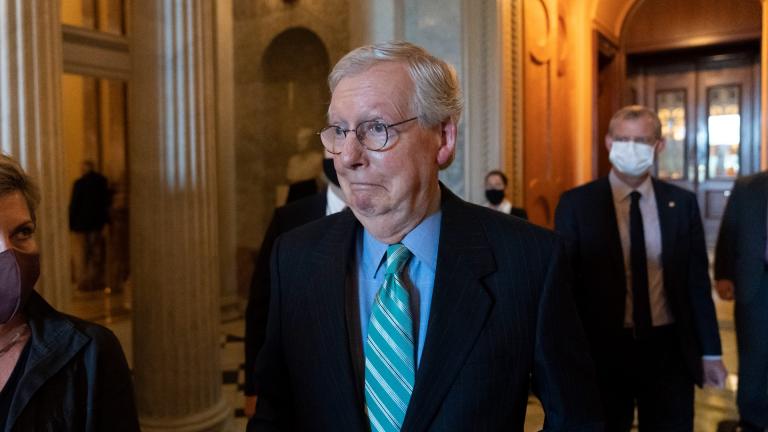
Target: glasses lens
(373, 134)
(332, 138)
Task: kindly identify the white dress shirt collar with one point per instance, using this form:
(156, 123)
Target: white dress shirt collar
(334, 201)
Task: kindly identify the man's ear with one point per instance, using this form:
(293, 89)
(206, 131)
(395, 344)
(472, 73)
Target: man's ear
(661, 144)
(608, 142)
(447, 150)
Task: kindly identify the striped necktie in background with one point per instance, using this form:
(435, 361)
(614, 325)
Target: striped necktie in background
(389, 354)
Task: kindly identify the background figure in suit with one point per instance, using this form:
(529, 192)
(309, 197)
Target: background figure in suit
(284, 219)
(637, 248)
(88, 214)
(742, 273)
(495, 193)
(415, 310)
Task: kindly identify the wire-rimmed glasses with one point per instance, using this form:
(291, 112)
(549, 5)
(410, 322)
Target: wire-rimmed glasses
(371, 134)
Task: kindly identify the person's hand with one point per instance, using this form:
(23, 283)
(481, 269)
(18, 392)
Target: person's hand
(250, 405)
(714, 373)
(724, 289)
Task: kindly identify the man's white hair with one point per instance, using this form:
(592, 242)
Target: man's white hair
(437, 95)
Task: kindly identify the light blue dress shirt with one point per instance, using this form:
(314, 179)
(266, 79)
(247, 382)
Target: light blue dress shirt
(422, 241)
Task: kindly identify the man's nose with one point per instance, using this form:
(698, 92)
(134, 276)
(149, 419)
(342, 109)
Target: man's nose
(352, 152)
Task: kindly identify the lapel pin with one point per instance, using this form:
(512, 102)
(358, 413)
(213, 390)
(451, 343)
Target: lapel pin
(671, 204)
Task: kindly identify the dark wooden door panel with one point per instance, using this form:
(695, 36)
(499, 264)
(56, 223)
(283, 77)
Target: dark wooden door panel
(709, 108)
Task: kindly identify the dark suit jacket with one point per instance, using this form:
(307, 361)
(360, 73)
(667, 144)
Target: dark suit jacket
(586, 217)
(519, 212)
(284, 219)
(76, 377)
(740, 252)
(501, 311)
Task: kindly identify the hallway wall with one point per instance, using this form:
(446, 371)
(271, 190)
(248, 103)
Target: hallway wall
(265, 140)
(556, 102)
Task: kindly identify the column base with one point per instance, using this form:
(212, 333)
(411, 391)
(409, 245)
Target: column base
(214, 419)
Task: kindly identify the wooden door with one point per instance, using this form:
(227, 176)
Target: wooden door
(726, 129)
(709, 109)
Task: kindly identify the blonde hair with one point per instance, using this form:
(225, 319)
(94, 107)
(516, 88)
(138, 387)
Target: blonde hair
(13, 179)
(634, 112)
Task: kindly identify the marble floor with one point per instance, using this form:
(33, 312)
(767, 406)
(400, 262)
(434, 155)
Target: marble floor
(714, 408)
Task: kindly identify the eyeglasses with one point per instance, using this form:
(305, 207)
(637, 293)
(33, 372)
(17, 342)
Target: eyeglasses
(372, 134)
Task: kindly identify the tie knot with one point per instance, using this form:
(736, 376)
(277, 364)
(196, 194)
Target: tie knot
(397, 256)
(635, 195)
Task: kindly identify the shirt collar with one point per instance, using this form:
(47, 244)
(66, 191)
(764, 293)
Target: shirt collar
(334, 202)
(422, 241)
(621, 190)
(505, 206)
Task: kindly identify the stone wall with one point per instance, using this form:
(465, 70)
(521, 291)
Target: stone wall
(283, 52)
(437, 26)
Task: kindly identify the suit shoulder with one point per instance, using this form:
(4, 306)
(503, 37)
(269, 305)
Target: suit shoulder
(303, 206)
(585, 191)
(102, 340)
(100, 334)
(752, 180)
(316, 229)
(675, 191)
(504, 226)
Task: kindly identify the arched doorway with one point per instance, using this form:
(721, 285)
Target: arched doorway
(696, 62)
(281, 101)
(295, 67)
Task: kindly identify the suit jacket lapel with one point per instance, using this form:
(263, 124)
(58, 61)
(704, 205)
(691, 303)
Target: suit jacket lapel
(608, 225)
(333, 267)
(460, 306)
(668, 219)
(54, 342)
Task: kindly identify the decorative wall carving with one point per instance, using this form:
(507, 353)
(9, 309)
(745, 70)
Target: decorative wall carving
(548, 107)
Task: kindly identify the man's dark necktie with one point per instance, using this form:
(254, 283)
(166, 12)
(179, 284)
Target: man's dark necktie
(641, 303)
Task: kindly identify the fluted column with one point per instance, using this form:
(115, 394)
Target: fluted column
(30, 126)
(225, 144)
(174, 231)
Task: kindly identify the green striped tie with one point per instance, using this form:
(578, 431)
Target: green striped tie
(389, 354)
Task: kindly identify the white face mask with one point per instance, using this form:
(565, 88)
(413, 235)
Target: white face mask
(631, 158)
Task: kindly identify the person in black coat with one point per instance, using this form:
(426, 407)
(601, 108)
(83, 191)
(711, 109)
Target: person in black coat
(741, 272)
(88, 214)
(57, 372)
(292, 215)
(636, 246)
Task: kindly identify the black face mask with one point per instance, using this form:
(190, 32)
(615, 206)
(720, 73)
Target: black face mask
(330, 171)
(18, 274)
(494, 196)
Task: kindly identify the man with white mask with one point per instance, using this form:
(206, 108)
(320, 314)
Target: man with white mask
(640, 266)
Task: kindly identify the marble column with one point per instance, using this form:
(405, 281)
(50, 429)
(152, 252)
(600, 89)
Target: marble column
(30, 126)
(225, 145)
(174, 223)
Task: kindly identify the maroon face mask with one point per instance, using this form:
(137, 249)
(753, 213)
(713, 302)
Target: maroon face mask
(18, 274)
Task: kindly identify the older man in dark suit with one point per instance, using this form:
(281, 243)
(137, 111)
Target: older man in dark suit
(415, 310)
(741, 271)
(636, 245)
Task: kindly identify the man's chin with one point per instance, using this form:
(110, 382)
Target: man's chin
(364, 205)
